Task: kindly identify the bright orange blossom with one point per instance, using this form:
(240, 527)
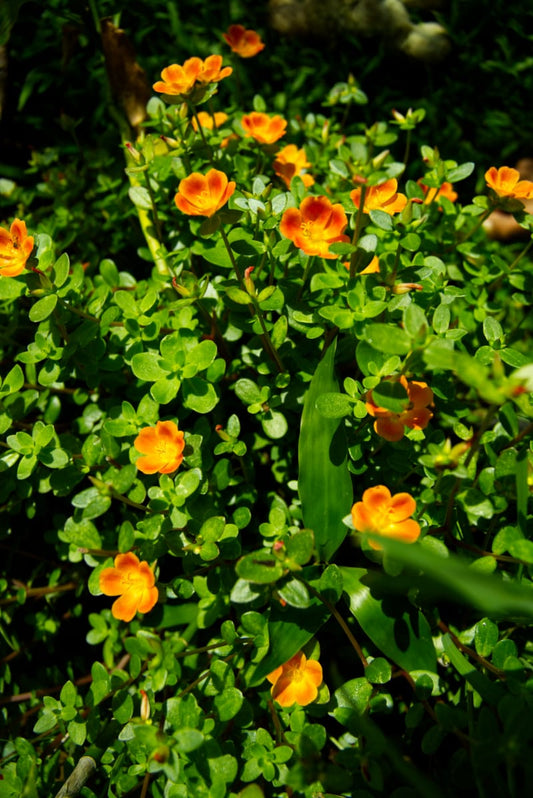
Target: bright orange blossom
(296, 682)
(133, 582)
(384, 197)
(15, 249)
(391, 425)
(209, 121)
(245, 43)
(162, 447)
(264, 128)
(506, 183)
(382, 514)
(204, 195)
(290, 162)
(315, 225)
(178, 79)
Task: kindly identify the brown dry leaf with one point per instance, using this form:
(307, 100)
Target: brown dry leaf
(126, 78)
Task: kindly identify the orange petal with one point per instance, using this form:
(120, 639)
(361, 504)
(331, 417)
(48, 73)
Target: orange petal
(313, 671)
(274, 676)
(150, 464)
(111, 582)
(127, 562)
(146, 440)
(148, 599)
(125, 607)
(419, 394)
(390, 428)
(401, 506)
(406, 531)
(362, 518)
(376, 498)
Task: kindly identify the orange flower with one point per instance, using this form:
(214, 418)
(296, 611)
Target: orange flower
(162, 446)
(245, 43)
(209, 121)
(177, 79)
(204, 195)
(264, 128)
(433, 194)
(15, 249)
(315, 225)
(296, 682)
(134, 582)
(290, 162)
(383, 514)
(372, 268)
(391, 425)
(384, 197)
(506, 183)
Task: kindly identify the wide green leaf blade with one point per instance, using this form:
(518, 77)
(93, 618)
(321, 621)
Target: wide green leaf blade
(324, 482)
(394, 626)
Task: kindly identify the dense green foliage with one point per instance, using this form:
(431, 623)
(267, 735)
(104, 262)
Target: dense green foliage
(132, 312)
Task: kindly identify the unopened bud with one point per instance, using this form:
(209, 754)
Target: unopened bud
(222, 433)
(248, 282)
(404, 288)
(135, 154)
(145, 706)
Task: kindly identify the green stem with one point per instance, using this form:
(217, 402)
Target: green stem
(357, 231)
(476, 227)
(340, 620)
(254, 308)
(310, 261)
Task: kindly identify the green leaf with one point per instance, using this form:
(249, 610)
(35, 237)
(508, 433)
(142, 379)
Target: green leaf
(382, 220)
(460, 172)
(455, 581)
(394, 626)
(60, 271)
(146, 366)
(485, 637)
(199, 395)
(260, 567)
(324, 482)
(43, 308)
(334, 405)
(415, 321)
(492, 330)
(187, 740)
(228, 703)
(290, 628)
(140, 197)
(387, 338)
(391, 395)
(378, 671)
(238, 295)
(489, 691)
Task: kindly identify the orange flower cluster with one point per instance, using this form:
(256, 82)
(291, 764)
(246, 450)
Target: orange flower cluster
(391, 425)
(245, 43)
(382, 514)
(15, 249)
(180, 80)
(290, 162)
(506, 183)
(133, 582)
(162, 447)
(209, 121)
(264, 128)
(296, 682)
(434, 194)
(315, 225)
(204, 195)
(384, 197)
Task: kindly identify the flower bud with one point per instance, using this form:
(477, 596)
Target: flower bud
(145, 706)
